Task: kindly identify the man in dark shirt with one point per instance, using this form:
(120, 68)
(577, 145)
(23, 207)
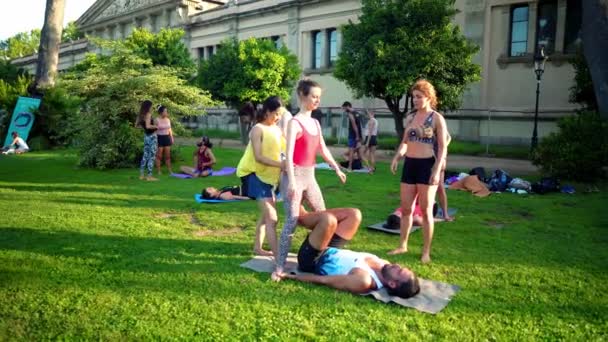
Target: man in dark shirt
(354, 132)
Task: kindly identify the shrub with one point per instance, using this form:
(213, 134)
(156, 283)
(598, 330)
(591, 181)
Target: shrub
(112, 89)
(58, 117)
(579, 151)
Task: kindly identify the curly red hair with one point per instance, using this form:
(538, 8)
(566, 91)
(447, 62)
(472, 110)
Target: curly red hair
(427, 89)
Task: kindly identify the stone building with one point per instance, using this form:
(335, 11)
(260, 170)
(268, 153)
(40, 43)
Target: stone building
(498, 109)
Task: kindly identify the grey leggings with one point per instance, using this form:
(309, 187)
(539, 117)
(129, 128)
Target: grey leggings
(306, 188)
(147, 160)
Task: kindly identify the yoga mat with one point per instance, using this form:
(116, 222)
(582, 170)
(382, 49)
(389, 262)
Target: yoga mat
(438, 218)
(199, 198)
(225, 171)
(325, 166)
(434, 296)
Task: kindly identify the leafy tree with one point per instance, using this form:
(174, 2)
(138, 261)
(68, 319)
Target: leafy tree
(71, 33)
(582, 91)
(20, 45)
(397, 42)
(50, 38)
(112, 89)
(594, 34)
(163, 48)
(249, 70)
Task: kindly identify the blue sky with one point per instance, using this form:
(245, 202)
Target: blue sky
(25, 15)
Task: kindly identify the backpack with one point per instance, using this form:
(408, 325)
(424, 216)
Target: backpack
(500, 180)
(545, 185)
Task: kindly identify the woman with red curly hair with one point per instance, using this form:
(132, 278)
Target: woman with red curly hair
(424, 128)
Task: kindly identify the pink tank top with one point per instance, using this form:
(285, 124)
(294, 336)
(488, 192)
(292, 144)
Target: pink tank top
(306, 146)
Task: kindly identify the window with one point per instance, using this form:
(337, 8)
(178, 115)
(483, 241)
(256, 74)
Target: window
(573, 26)
(209, 51)
(317, 45)
(333, 46)
(201, 54)
(546, 26)
(278, 42)
(519, 31)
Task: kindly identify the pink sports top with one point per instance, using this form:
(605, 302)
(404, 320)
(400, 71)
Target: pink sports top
(164, 125)
(306, 146)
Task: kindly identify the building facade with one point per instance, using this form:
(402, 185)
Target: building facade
(498, 109)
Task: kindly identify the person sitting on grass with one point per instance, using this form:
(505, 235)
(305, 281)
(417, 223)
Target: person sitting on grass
(17, 146)
(226, 193)
(346, 270)
(203, 159)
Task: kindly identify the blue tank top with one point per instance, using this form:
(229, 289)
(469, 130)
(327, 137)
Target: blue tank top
(336, 261)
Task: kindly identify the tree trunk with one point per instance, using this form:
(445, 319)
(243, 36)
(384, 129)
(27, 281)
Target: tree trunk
(50, 38)
(397, 116)
(594, 33)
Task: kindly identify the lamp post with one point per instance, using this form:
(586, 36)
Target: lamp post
(539, 69)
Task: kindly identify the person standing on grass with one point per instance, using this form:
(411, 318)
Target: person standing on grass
(441, 193)
(354, 132)
(260, 171)
(304, 139)
(371, 140)
(165, 138)
(424, 127)
(246, 114)
(144, 121)
(203, 159)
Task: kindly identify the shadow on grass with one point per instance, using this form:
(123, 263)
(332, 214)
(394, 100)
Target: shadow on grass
(120, 253)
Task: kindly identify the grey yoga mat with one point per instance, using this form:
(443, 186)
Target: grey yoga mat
(381, 226)
(434, 296)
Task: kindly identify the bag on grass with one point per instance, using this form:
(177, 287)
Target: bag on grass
(545, 185)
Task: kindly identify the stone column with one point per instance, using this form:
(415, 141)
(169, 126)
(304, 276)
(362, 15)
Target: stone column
(532, 14)
(305, 54)
(293, 32)
(146, 22)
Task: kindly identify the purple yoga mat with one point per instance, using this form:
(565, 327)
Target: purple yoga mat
(225, 171)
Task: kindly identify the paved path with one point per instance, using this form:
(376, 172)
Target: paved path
(518, 167)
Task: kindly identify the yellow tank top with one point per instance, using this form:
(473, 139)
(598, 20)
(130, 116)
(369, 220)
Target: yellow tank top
(273, 143)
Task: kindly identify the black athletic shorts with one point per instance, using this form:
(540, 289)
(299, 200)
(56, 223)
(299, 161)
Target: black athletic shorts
(164, 140)
(417, 170)
(308, 255)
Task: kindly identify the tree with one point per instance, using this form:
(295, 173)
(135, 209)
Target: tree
(594, 33)
(112, 88)
(48, 52)
(249, 70)
(20, 45)
(582, 91)
(164, 48)
(71, 33)
(397, 42)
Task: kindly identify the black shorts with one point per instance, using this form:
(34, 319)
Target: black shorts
(417, 170)
(308, 255)
(373, 140)
(164, 140)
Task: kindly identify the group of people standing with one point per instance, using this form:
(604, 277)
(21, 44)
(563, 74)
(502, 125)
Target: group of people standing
(282, 151)
(158, 138)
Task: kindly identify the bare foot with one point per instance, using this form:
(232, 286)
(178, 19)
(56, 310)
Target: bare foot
(448, 218)
(399, 250)
(425, 259)
(142, 177)
(151, 179)
(262, 252)
(277, 276)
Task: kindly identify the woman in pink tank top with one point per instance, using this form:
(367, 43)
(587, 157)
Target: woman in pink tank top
(304, 140)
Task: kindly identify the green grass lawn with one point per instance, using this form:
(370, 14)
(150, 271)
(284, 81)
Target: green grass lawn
(91, 254)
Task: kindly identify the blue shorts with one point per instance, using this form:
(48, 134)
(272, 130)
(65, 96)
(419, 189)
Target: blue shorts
(256, 189)
(352, 142)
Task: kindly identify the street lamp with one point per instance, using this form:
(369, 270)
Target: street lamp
(539, 69)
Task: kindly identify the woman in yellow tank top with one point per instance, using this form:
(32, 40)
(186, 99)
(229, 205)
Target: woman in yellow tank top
(260, 169)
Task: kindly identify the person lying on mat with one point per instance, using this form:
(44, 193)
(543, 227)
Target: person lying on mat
(226, 193)
(346, 270)
(203, 159)
(394, 220)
